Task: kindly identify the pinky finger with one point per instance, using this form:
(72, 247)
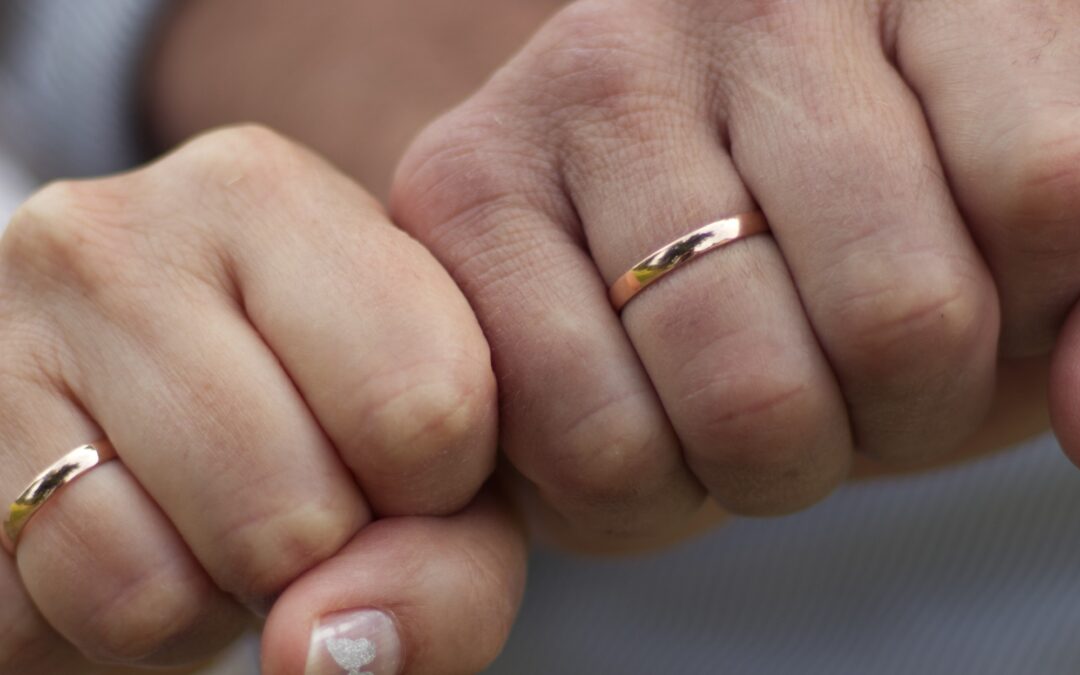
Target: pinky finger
(28, 645)
(407, 596)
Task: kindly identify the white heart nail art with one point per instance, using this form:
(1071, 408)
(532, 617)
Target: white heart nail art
(352, 655)
(357, 642)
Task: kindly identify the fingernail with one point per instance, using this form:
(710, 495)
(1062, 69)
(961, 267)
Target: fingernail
(355, 643)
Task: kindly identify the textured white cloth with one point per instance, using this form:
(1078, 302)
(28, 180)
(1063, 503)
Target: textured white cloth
(69, 77)
(971, 570)
(14, 186)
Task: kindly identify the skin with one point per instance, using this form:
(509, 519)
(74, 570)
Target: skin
(178, 108)
(263, 415)
(486, 153)
(919, 183)
(874, 329)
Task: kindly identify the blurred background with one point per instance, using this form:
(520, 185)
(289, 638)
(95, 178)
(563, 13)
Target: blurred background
(15, 185)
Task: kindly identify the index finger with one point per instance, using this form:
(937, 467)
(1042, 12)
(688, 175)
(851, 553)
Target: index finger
(373, 331)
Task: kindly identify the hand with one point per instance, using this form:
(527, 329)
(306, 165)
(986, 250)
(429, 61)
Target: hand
(275, 365)
(870, 134)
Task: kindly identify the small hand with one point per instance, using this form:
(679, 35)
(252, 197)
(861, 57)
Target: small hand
(276, 366)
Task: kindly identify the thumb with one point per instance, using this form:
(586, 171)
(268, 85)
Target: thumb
(407, 596)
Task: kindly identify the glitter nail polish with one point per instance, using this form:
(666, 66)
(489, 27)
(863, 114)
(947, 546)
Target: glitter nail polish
(363, 642)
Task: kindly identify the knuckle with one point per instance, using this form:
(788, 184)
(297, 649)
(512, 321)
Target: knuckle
(249, 159)
(610, 459)
(499, 151)
(791, 21)
(466, 165)
(593, 56)
(760, 444)
(261, 555)
(437, 423)
(742, 411)
(748, 404)
(614, 77)
(148, 616)
(915, 325)
(250, 182)
(1043, 197)
(243, 145)
(777, 13)
(75, 231)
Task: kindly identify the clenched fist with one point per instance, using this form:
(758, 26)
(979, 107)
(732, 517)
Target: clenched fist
(917, 164)
(276, 366)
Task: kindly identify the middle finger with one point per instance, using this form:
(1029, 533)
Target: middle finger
(725, 340)
(835, 148)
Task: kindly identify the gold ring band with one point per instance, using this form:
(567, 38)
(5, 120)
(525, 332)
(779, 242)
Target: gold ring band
(74, 464)
(682, 250)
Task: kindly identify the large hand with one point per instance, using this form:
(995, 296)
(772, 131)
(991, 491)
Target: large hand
(867, 132)
(274, 363)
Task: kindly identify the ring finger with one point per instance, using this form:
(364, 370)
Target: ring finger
(725, 340)
(100, 561)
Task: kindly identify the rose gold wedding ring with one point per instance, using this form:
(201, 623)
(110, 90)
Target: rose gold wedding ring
(683, 250)
(74, 464)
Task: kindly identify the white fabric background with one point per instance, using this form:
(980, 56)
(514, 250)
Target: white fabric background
(974, 569)
(14, 185)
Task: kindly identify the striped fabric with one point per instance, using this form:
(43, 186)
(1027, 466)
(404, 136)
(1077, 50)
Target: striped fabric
(975, 569)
